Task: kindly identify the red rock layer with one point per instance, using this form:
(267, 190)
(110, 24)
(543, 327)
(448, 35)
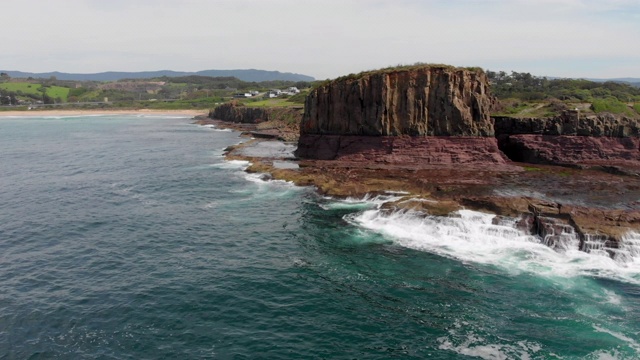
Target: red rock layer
(564, 149)
(416, 150)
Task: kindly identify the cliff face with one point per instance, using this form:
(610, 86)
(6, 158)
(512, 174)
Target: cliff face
(435, 101)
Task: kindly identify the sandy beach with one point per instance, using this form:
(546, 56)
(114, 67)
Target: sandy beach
(62, 112)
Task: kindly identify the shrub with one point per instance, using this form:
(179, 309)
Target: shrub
(609, 104)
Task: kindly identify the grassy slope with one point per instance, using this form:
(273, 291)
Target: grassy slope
(26, 88)
(34, 89)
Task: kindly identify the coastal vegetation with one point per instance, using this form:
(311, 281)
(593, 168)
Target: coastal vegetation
(522, 94)
(184, 92)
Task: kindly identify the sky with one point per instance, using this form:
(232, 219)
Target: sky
(323, 39)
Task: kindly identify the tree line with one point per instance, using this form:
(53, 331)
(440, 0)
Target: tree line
(526, 87)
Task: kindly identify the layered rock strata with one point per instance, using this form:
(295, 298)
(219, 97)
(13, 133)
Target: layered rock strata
(571, 139)
(570, 123)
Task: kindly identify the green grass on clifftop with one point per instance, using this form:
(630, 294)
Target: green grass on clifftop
(402, 68)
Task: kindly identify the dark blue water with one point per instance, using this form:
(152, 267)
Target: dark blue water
(132, 238)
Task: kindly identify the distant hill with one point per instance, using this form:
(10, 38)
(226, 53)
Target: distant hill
(249, 75)
(632, 81)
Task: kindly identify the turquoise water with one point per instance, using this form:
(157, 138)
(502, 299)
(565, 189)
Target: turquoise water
(132, 238)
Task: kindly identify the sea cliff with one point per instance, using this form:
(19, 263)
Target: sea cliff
(424, 115)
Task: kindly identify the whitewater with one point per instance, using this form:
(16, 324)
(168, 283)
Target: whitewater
(132, 237)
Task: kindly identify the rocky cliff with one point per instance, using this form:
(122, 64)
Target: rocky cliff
(276, 122)
(421, 100)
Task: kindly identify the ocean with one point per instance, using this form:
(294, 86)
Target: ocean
(131, 237)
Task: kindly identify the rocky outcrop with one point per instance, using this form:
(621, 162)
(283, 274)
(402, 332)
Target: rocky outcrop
(416, 115)
(383, 130)
(233, 112)
(237, 113)
(423, 100)
(556, 223)
(275, 123)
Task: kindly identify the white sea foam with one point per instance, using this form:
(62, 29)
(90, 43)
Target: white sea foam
(265, 179)
(215, 128)
(232, 164)
(472, 236)
(633, 344)
(476, 346)
(367, 202)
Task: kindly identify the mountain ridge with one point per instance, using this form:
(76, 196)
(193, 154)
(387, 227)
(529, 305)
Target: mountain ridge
(249, 75)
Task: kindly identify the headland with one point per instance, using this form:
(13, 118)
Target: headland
(427, 132)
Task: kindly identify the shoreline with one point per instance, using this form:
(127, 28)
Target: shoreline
(61, 112)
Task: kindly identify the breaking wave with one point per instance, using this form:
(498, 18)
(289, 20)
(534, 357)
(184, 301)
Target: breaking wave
(472, 236)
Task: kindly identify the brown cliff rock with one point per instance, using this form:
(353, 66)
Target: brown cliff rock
(422, 100)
